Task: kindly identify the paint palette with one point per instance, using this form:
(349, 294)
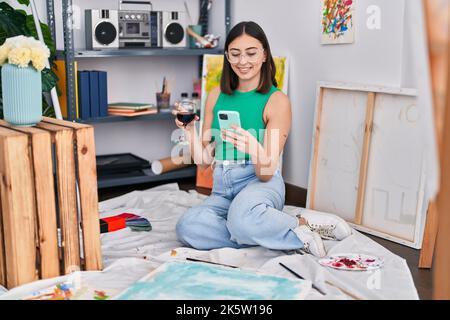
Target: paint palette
(352, 262)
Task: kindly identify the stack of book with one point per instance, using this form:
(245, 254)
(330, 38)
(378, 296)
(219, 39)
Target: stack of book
(127, 109)
(92, 94)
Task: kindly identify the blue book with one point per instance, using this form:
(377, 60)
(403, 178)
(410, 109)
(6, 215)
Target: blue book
(95, 100)
(103, 93)
(84, 96)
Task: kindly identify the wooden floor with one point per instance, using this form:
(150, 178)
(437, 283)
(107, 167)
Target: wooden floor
(422, 278)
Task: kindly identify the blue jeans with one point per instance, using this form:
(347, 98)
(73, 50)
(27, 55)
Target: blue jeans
(242, 211)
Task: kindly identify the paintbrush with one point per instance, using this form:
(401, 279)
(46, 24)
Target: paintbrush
(300, 277)
(326, 281)
(164, 85)
(210, 262)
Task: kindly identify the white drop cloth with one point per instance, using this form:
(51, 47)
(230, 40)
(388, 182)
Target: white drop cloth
(128, 256)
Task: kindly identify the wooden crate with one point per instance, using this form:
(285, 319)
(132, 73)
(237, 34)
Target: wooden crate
(41, 169)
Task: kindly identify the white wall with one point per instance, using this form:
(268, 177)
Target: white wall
(380, 57)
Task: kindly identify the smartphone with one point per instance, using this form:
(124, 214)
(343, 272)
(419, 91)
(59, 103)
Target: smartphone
(228, 118)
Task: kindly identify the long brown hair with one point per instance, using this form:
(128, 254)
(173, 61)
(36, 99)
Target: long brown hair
(229, 81)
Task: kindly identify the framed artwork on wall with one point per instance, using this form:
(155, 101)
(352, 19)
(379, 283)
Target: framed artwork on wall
(338, 22)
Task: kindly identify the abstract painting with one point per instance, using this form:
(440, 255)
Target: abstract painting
(201, 281)
(337, 22)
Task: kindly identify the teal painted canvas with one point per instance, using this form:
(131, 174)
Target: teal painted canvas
(200, 281)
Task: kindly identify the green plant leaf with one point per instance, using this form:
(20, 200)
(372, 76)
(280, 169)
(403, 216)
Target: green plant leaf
(47, 108)
(49, 80)
(5, 7)
(3, 36)
(31, 31)
(11, 21)
(24, 2)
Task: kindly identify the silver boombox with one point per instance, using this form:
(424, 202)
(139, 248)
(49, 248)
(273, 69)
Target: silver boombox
(139, 28)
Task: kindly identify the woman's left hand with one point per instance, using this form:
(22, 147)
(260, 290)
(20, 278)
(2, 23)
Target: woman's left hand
(243, 140)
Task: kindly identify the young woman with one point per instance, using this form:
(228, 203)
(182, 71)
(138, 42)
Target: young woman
(245, 207)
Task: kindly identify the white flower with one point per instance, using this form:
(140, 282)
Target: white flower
(15, 42)
(4, 51)
(21, 50)
(20, 57)
(38, 58)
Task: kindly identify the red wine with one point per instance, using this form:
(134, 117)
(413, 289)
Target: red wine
(186, 117)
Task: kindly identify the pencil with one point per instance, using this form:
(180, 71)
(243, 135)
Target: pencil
(219, 264)
(300, 277)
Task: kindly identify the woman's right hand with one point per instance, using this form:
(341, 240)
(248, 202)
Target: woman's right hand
(180, 124)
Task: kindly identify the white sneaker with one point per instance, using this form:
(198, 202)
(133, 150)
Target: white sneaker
(312, 242)
(327, 225)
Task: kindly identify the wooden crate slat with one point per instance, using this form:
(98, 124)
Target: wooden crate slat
(46, 205)
(87, 180)
(18, 210)
(41, 148)
(67, 124)
(66, 186)
(87, 177)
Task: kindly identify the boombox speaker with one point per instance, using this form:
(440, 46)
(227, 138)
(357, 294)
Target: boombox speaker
(174, 29)
(102, 29)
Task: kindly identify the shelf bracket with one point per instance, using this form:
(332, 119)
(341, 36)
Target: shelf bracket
(227, 16)
(51, 18)
(69, 57)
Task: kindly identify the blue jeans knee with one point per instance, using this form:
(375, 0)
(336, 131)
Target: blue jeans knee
(185, 227)
(243, 224)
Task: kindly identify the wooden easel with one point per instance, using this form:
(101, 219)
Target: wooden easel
(439, 51)
(440, 63)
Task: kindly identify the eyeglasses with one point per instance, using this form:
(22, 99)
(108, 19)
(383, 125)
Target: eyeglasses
(251, 56)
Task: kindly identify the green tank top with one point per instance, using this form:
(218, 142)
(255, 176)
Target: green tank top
(250, 106)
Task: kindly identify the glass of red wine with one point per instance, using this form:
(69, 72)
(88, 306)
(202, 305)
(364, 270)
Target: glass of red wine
(186, 117)
(186, 114)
